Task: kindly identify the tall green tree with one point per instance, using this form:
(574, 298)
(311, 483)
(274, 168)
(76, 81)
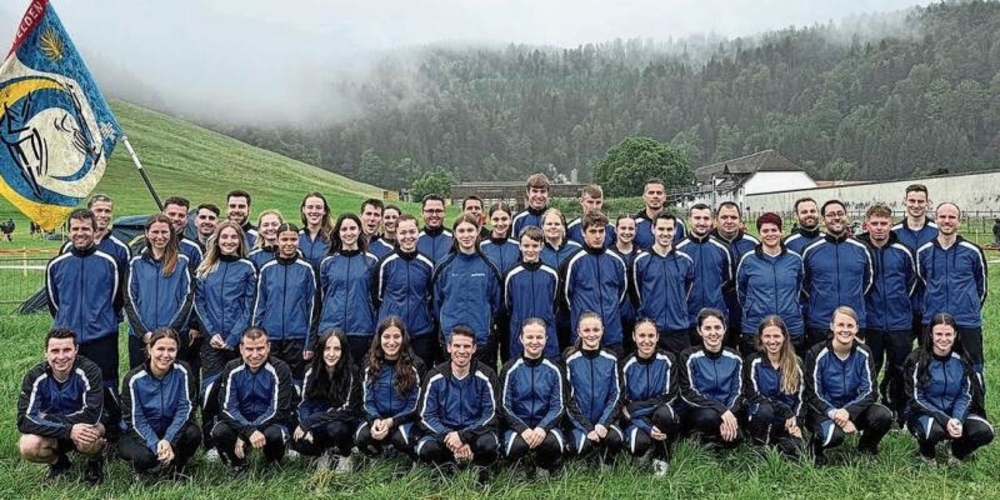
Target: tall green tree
(627, 166)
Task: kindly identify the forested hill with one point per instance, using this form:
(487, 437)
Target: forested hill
(872, 108)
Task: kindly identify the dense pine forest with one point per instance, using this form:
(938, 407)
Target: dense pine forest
(920, 96)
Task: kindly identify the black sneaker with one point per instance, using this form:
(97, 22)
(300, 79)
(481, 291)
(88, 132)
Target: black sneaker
(94, 473)
(57, 470)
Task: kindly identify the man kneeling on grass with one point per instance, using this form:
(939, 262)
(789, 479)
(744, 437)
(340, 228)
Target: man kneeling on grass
(458, 409)
(255, 401)
(59, 410)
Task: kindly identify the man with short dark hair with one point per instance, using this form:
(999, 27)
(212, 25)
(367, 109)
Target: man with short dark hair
(206, 220)
(458, 409)
(473, 205)
(838, 272)
(434, 241)
(176, 209)
(654, 195)
(713, 266)
(238, 210)
(953, 271)
(256, 403)
(594, 279)
(661, 280)
(84, 287)
(386, 242)
(371, 219)
(808, 230)
(103, 208)
(59, 410)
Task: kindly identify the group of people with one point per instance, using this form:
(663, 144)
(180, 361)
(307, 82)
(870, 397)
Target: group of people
(373, 333)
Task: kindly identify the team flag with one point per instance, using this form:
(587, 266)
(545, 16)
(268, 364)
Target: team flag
(57, 130)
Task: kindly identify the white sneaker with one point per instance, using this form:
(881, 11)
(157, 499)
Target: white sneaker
(344, 465)
(212, 455)
(660, 468)
(292, 455)
(324, 461)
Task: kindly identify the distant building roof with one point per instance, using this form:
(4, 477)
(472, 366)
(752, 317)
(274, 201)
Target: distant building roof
(762, 161)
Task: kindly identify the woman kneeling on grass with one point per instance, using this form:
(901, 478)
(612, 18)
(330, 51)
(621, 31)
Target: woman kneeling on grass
(331, 400)
(711, 385)
(841, 390)
(773, 389)
(944, 400)
(392, 381)
(650, 392)
(157, 405)
(595, 393)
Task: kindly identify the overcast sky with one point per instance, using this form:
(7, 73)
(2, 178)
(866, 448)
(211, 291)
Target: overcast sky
(265, 57)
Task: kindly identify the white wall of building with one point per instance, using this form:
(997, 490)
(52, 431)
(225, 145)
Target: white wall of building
(768, 182)
(972, 192)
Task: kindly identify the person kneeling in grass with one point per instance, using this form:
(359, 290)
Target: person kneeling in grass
(458, 409)
(59, 410)
(255, 399)
(158, 410)
(331, 400)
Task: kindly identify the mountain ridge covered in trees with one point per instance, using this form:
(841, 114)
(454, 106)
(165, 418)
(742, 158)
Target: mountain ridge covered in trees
(904, 104)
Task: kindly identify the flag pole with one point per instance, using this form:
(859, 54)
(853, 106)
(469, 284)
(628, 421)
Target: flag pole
(142, 173)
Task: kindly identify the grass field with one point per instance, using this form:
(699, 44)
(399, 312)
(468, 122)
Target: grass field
(186, 160)
(694, 472)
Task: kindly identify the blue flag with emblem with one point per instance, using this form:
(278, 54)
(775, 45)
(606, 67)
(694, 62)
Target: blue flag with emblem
(57, 130)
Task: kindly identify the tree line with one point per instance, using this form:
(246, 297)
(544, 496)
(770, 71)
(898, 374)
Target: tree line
(843, 106)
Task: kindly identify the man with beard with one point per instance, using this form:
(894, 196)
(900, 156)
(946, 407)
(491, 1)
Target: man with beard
(807, 219)
(713, 267)
(838, 272)
(238, 211)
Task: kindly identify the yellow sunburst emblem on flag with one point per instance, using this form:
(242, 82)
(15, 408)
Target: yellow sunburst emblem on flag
(51, 45)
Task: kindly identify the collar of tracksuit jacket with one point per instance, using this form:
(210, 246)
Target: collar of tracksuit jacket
(85, 252)
(434, 232)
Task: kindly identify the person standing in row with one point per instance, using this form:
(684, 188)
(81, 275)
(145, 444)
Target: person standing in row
(160, 291)
(402, 288)
(317, 228)
(713, 266)
(953, 272)
(287, 303)
(624, 246)
(537, 193)
(238, 210)
(838, 272)
(266, 248)
(769, 282)
(435, 241)
(729, 230)
(595, 280)
(345, 278)
(591, 200)
(530, 290)
(807, 229)
(661, 279)
(654, 195)
(466, 290)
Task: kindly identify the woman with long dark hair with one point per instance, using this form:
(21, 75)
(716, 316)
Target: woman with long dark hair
(331, 401)
(945, 402)
(345, 282)
(160, 290)
(392, 384)
(773, 388)
(158, 400)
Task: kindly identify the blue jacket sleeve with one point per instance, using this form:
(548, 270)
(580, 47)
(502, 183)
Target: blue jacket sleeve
(182, 414)
(430, 405)
(867, 392)
(185, 298)
(131, 304)
(248, 284)
(612, 406)
(557, 403)
(260, 299)
(410, 408)
(511, 417)
(132, 412)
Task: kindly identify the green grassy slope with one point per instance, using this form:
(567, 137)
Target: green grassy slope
(186, 160)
